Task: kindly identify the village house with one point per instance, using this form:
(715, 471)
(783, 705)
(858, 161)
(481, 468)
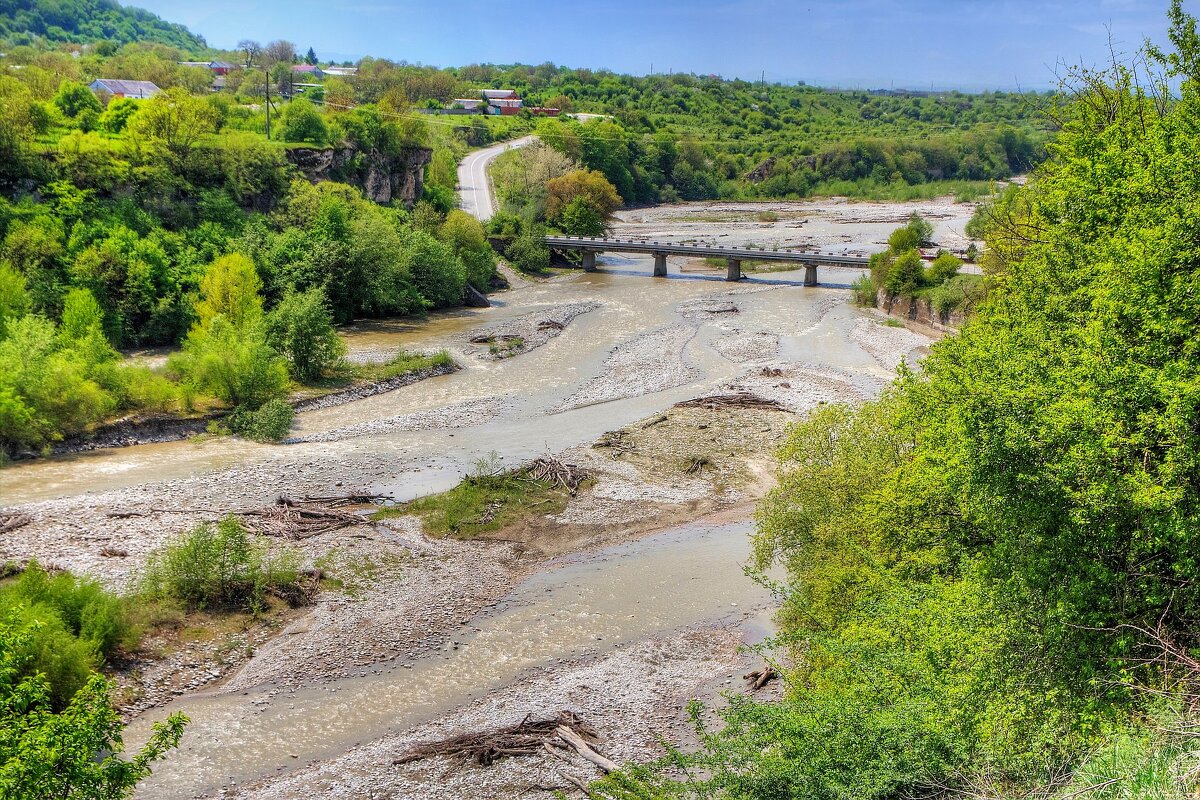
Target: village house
(134, 90)
(310, 70)
(215, 67)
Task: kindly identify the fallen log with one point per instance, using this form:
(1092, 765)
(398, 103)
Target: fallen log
(12, 520)
(761, 677)
(584, 749)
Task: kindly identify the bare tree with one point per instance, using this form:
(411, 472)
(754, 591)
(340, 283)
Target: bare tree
(280, 51)
(252, 49)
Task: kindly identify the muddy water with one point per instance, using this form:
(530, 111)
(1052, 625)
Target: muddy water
(813, 324)
(580, 606)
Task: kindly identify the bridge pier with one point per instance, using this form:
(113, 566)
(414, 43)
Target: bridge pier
(733, 269)
(589, 260)
(810, 274)
(660, 265)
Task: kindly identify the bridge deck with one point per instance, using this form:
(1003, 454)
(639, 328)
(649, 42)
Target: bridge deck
(703, 251)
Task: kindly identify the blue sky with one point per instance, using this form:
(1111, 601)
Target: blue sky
(972, 44)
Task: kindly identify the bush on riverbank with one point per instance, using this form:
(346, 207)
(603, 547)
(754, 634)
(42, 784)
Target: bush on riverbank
(990, 570)
(73, 625)
(220, 566)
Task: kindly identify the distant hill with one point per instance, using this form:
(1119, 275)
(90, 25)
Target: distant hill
(90, 21)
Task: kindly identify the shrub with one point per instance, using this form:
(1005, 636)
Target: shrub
(301, 329)
(943, 268)
(76, 753)
(237, 366)
(438, 276)
(302, 122)
(528, 253)
(864, 291)
(905, 274)
(219, 566)
(270, 423)
(73, 625)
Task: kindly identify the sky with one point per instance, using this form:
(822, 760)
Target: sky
(965, 44)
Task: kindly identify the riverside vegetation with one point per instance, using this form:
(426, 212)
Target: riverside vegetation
(991, 570)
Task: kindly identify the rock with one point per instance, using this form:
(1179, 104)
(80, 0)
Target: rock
(381, 177)
(473, 298)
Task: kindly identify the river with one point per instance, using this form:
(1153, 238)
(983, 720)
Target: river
(287, 721)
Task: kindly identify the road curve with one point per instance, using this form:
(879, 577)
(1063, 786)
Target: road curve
(474, 188)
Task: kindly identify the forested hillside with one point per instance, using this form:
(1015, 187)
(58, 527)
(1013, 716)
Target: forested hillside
(81, 21)
(992, 570)
(749, 140)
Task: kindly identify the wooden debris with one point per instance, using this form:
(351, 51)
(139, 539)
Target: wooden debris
(338, 501)
(550, 325)
(12, 520)
(114, 552)
(527, 737)
(618, 441)
(697, 465)
(771, 372)
(558, 473)
(738, 400)
(656, 421)
(297, 519)
(761, 677)
(584, 749)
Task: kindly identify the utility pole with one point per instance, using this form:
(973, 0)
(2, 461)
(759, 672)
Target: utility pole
(268, 88)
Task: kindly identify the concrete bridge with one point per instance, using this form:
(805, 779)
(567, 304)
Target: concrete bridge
(734, 256)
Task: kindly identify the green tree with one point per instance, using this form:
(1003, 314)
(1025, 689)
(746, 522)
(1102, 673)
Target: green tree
(230, 288)
(302, 122)
(120, 110)
(301, 329)
(74, 98)
(437, 275)
(581, 218)
(75, 753)
(234, 364)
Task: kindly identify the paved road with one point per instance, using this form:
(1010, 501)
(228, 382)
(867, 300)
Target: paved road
(474, 188)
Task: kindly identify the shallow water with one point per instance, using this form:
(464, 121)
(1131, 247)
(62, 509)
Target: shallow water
(581, 605)
(531, 385)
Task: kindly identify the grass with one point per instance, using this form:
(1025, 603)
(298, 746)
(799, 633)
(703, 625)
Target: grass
(506, 346)
(489, 499)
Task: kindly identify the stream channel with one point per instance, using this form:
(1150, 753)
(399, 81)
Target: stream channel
(411, 441)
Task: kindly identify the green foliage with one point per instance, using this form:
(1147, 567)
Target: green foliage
(528, 253)
(75, 752)
(268, 423)
(74, 624)
(300, 328)
(120, 110)
(943, 268)
(220, 566)
(235, 365)
(438, 277)
(92, 21)
(302, 122)
(905, 274)
(73, 99)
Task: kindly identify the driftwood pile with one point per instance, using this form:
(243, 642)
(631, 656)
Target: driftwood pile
(11, 520)
(528, 737)
(299, 519)
(619, 442)
(550, 325)
(737, 400)
(288, 518)
(557, 473)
